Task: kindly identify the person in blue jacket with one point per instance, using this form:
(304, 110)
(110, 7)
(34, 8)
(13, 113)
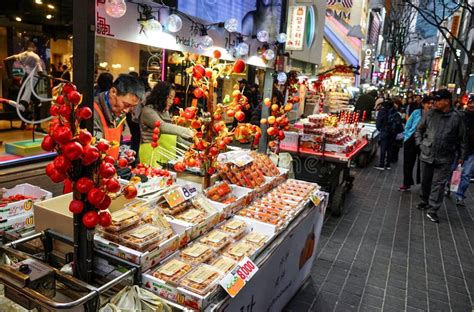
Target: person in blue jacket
(410, 150)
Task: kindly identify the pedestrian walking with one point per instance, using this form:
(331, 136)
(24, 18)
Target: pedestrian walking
(410, 150)
(389, 123)
(468, 166)
(440, 134)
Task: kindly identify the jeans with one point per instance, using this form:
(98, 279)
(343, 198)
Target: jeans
(433, 180)
(385, 152)
(410, 154)
(467, 173)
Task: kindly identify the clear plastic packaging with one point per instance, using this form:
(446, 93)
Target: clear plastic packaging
(235, 227)
(219, 192)
(192, 215)
(216, 239)
(196, 253)
(223, 264)
(174, 210)
(200, 202)
(122, 220)
(255, 238)
(172, 271)
(145, 237)
(239, 250)
(201, 280)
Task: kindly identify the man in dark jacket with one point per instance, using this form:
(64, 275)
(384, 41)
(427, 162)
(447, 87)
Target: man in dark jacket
(440, 134)
(385, 122)
(366, 102)
(468, 166)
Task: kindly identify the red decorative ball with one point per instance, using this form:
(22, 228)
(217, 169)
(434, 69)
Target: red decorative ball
(76, 206)
(85, 113)
(72, 150)
(90, 219)
(84, 185)
(105, 219)
(113, 186)
(48, 143)
(95, 196)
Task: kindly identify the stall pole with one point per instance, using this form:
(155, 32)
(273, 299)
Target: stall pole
(83, 75)
(209, 134)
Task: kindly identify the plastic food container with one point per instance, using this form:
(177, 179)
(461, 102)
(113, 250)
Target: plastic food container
(216, 239)
(145, 237)
(192, 215)
(196, 253)
(200, 202)
(255, 238)
(201, 280)
(218, 192)
(173, 210)
(122, 220)
(240, 250)
(172, 271)
(235, 227)
(223, 264)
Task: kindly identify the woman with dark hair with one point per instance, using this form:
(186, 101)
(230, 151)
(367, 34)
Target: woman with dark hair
(104, 83)
(389, 123)
(157, 106)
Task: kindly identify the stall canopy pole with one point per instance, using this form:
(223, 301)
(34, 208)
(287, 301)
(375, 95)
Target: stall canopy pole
(83, 75)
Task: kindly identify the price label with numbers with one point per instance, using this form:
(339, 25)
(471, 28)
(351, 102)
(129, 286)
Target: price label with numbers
(180, 194)
(236, 279)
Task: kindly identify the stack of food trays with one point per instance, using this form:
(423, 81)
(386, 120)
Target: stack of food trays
(195, 210)
(221, 192)
(249, 176)
(265, 164)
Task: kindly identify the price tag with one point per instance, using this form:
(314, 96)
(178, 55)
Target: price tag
(236, 279)
(242, 160)
(316, 197)
(180, 194)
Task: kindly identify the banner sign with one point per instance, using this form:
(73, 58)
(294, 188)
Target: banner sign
(340, 9)
(295, 28)
(188, 39)
(286, 269)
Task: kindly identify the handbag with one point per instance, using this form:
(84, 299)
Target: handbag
(456, 179)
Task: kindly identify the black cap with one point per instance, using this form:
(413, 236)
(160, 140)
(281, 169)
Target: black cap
(426, 99)
(442, 94)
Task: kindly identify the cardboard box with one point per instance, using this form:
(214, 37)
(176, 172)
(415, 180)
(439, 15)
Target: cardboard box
(17, 222)
(244, 197)
(152, 185)
(22, 206)
(54, 214)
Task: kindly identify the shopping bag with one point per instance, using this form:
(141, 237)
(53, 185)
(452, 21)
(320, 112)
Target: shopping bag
(134, 298)
(456, 179)
(165, 152)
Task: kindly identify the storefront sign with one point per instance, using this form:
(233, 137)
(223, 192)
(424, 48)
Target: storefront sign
(295, 29)
(188, 39)
(367, 59)
(340, 9)
(285, 270)
(236, 279)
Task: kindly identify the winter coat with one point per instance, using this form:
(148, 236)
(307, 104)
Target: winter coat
(469, 123)
(440, 135)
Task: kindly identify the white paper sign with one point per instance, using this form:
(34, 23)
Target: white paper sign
(295, 28)
(236, 279)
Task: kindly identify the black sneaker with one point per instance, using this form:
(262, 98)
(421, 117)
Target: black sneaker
(422, 206)
(433, 217)
(460, 202)
(381, 168)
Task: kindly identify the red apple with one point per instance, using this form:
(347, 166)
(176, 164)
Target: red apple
(72, 150)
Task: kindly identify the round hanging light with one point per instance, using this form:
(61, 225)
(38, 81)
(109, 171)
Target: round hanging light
(281, 37)
(242, 49)
(231, 25)
(281, 77)
(207, 42)
(115, 8)
(152, 27)
(263, 36)
(269, 54)
(174, 23)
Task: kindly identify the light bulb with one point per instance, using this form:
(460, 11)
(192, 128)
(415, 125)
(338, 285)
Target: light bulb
(242, 49)
(281, 77)
(174, 23)
(115, 8)
(152, 27)
(269, 54)
(281, 37)
(207, 42)
(231, 25)
(262, 36)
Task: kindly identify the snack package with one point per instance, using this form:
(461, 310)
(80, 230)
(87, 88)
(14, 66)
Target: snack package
(200, 202)
(235, 227)
(172, 270)
(219, 192)
(216, 239)
(173, 210)
(122, 220)
(240, 250)
(223, 264)
(265, 164)
(255, 238)
(145, 237)
(249, 176)
(196, 253)
(192, 215)
(201, 280)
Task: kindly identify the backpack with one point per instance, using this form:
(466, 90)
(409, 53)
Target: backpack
(395, 124)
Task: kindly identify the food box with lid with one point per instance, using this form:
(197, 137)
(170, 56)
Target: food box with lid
(243, 196)
(20, 199)
(147, 258)
(152, 185)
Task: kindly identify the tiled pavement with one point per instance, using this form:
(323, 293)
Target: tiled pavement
(384, 255)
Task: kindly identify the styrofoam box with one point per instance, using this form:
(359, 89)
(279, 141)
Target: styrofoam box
(149, 258)
(244, 197)
(22, 206)
(153, 184)
(17, 222)
(188, 298)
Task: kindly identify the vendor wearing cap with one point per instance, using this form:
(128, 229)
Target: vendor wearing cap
(468, 166)
(440, 135)
(110, 108)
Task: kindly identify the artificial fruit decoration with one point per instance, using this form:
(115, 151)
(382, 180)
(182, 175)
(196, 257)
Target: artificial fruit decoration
(90, 219)
(76, 206)
(239, 66)
(48, 143)
(130, 191)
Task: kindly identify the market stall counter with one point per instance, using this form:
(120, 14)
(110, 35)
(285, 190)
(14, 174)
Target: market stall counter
(323, 148)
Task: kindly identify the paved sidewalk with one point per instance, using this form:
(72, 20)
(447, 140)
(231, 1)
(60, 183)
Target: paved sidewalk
(383, 254)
